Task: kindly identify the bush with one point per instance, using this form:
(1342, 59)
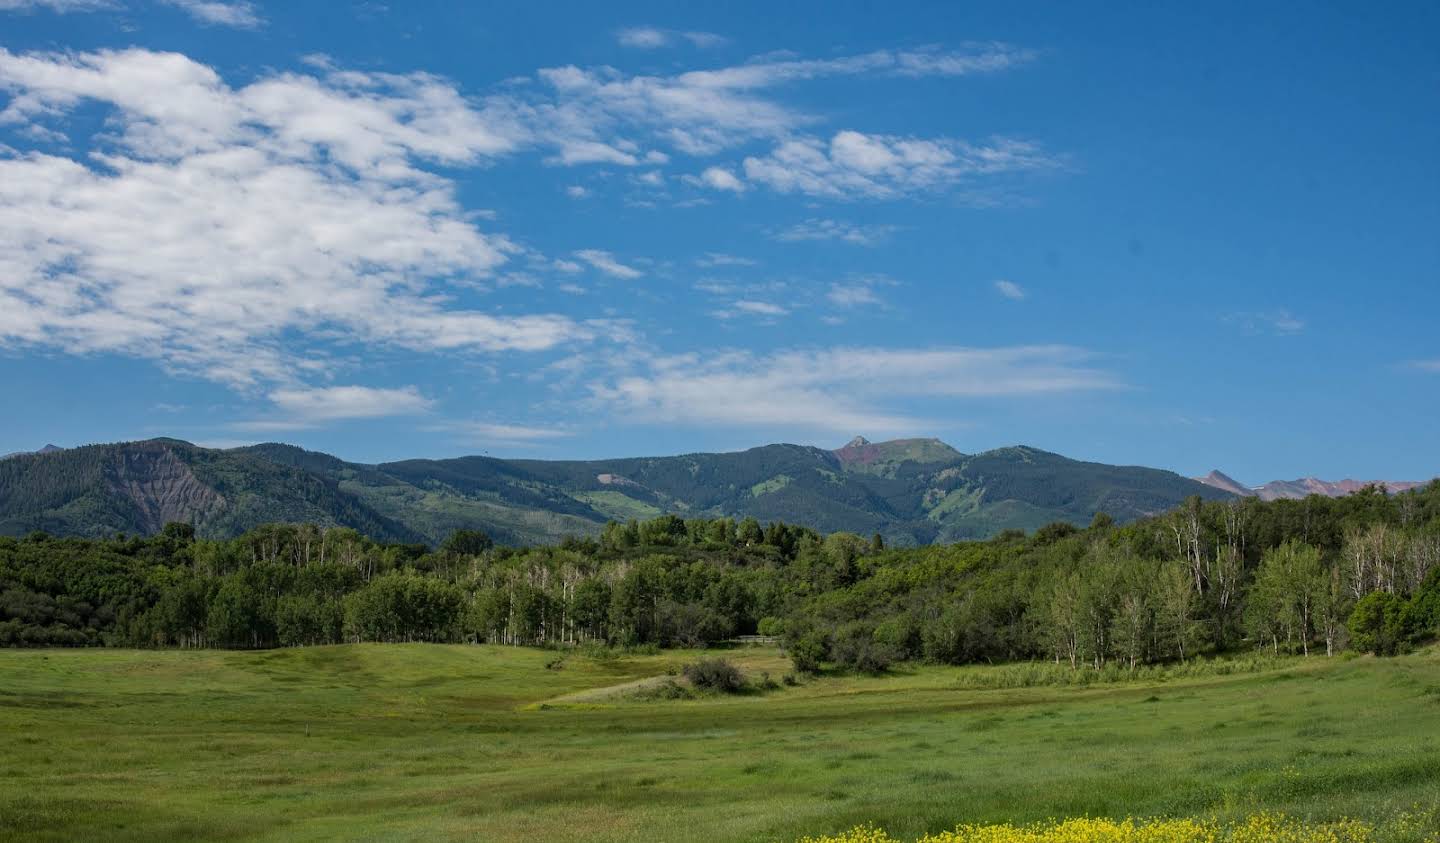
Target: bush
(770, 626)
(856, 647)
(715, 675)
(666, 690)
(807, 651)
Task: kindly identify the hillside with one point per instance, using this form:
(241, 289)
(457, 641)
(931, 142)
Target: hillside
(914, 491)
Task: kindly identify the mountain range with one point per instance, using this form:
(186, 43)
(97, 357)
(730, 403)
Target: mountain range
(1302, 488)
(912, 491)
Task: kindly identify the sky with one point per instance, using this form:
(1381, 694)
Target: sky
(1189, 236)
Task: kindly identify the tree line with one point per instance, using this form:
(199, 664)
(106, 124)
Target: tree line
(1311, 576)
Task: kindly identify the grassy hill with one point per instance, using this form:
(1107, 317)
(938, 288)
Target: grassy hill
(912, 491)
(464, 742)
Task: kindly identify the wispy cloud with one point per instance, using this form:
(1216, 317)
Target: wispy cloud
(61, 6)
(593, 114)
(606, 263)
(651, 38)
(714, 259)
(857, 294)
(1009, 289)
(854, 165)
(237, 13)
(300, 408)
(751, 307)
(841, 389)
(1426, 365)
(1278, 322)
(496, 433)
(828, 229)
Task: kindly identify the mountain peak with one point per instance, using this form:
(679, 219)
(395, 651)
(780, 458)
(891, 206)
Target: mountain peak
(1218, 479)
(857, 442)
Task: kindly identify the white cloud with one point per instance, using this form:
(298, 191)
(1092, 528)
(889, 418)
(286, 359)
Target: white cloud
(650, 38)
(858, 294)
(606, 263)
(1427, 365)
(308, 407)
(237, 13)
(576, 191)
(238, 232)
(1009, 289)
(827, 229)
(492, 433)
(705, 111)
(574, 152)
(713, 259)
(60, 6)
(717, 178)
(349, 402)
(840, 389)
(644, 37)
(856, 165)
(751, 307)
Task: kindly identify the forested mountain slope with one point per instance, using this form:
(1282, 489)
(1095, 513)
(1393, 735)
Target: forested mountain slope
(914, 491)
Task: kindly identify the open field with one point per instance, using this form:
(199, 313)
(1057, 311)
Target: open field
(411, 742)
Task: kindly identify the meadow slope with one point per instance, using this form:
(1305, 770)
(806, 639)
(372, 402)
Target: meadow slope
(437, 742)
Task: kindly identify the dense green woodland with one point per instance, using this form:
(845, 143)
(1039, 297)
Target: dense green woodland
(1310, 576)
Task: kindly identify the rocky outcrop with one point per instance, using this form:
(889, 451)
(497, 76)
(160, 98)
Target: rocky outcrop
(161, 486)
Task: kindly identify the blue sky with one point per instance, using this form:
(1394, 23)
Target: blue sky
(1166, 234)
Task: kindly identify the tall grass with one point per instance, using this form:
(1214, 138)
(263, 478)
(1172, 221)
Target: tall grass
(1049, 674)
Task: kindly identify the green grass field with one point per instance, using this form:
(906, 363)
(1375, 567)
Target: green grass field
(430, 742)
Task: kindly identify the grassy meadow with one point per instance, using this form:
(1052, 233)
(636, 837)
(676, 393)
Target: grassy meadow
(437, 742)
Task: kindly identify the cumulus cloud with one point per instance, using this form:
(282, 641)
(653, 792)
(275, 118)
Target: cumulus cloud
(1010, 290)
(233, 232)
(845, 232)
(717, 178)
(854, 165)
(237, 13)
(840, 389)
(606, 263)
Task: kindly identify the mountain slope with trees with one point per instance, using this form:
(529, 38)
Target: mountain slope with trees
(912, 492)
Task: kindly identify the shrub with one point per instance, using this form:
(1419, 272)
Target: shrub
(666, 690)
(807, 650)
(856, 647)
(715, 675)
(770, 626)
